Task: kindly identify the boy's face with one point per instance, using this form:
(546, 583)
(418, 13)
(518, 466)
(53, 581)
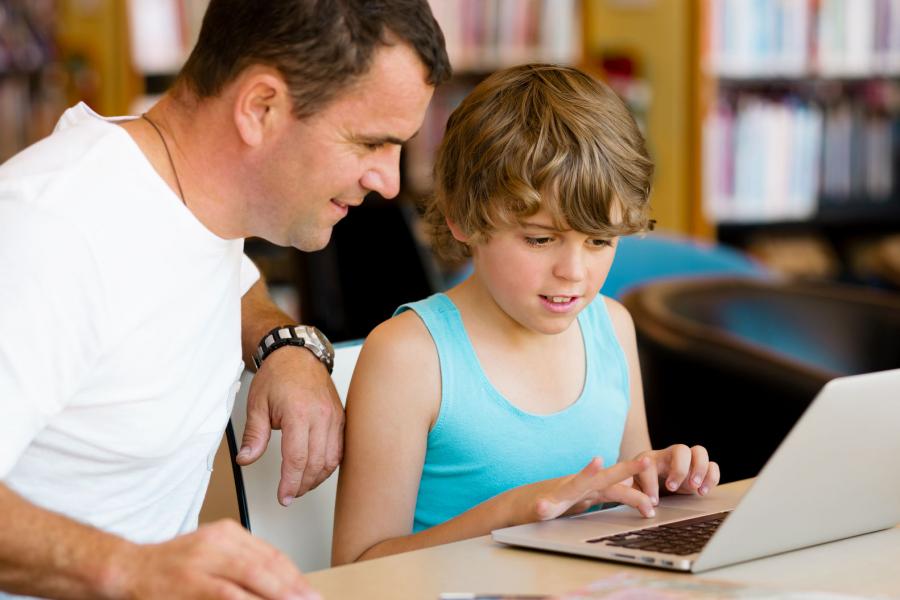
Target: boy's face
(540, 276)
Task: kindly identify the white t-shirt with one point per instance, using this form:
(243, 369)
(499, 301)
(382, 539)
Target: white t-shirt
(120, 343)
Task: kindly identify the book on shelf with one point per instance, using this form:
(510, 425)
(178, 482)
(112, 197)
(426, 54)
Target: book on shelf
(31, 86)
(484, 35)
(761, 160)
(162, 32)
(800, 38)
(775, 160)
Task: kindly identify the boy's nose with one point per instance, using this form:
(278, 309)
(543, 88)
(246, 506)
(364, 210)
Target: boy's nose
(571, 266)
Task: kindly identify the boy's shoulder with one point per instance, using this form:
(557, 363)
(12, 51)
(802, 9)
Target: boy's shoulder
(616, 309)
(398, 369)
(403, 337)
(618, 315)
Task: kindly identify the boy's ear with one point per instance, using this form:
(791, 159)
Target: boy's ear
(262, 104)
(456, 231)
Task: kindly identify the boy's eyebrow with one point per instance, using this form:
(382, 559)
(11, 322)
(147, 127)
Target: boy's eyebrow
(542, 226)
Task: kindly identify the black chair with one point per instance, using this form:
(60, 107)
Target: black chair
(732, 363)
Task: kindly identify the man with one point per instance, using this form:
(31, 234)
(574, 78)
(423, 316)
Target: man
(123, 286)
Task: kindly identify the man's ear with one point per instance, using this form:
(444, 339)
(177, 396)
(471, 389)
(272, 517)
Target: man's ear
(456, 231)
(262, 104)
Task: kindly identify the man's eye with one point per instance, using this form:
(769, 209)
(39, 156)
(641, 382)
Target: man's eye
(538, 241)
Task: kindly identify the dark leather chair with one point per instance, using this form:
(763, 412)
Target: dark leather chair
(732, 363)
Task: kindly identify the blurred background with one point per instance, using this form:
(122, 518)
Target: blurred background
(774, 125)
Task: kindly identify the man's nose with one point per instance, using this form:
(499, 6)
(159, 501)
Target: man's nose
(383, 176)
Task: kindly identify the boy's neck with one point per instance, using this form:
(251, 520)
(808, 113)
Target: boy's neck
(485, 319)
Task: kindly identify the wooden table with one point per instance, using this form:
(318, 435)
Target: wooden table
(865, 565)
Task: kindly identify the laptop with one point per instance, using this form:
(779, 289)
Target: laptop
(835, 475)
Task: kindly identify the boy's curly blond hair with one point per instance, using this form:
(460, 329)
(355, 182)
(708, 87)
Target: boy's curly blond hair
(539, 135)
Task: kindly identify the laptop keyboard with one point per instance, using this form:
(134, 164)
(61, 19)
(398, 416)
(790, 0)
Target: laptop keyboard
(680, 538)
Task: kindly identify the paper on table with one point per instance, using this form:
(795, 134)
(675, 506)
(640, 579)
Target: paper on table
(628, 586)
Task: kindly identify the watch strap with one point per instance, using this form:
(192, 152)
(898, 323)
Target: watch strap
(290, 335)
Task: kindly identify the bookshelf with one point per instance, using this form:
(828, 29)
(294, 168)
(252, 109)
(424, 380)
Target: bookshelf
(31, 86)
(92, 38)
(660, 38)
(53, 54)
(483, 36)
(161, 34)
(800, 127)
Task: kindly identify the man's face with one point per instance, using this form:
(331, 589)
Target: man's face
(323, 164)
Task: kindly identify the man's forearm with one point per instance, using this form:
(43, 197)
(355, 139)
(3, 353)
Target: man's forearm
(259, 315)
(46, 554)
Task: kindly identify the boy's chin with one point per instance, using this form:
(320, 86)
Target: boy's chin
(555, 326)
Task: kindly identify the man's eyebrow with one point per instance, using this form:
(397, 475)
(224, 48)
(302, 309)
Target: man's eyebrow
(378, 140)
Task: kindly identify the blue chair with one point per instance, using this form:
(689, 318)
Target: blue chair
(732, 363)
(641, 259)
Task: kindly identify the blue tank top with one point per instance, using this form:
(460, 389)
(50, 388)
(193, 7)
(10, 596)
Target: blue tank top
(482, 445)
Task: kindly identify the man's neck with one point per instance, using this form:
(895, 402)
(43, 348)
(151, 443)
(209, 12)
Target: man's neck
(203, 153)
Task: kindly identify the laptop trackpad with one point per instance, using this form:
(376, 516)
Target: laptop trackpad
(625, 518)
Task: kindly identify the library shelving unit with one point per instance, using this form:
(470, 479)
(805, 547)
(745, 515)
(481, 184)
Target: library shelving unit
(801, 130)
(31, 88)
(161, 34)
(483, 36)
(53, 54)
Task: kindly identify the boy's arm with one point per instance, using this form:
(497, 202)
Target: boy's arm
(684, 469)
(636, 438)
(393, 401)
(541, 501)
(46, 554)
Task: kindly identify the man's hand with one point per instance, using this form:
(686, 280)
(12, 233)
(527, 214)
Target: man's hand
(219, 560)
(46, 554)
(293, 392)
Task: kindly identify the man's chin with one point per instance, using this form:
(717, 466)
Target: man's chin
(312, 243)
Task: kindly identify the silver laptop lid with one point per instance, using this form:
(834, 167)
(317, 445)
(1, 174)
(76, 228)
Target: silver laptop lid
(836, 475)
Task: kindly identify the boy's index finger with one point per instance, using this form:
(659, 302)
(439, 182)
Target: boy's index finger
(583, 481)
(620, 472)
(648, 482)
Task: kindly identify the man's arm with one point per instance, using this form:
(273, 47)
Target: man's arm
(292, 391)
(46, 554)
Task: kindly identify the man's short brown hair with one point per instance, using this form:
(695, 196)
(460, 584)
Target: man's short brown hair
(539, 135)
(320, 47)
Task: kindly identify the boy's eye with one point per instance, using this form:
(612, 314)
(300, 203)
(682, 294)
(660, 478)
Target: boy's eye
(600, 243)
(538, 241)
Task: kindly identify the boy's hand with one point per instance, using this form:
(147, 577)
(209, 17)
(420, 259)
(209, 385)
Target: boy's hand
(576, 493)
(680, 470)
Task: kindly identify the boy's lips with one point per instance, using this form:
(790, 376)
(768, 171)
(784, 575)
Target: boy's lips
(559, 302)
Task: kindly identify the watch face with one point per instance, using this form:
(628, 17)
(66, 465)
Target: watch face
(326, 343)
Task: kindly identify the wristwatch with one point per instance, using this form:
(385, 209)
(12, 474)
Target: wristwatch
(304, 336)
